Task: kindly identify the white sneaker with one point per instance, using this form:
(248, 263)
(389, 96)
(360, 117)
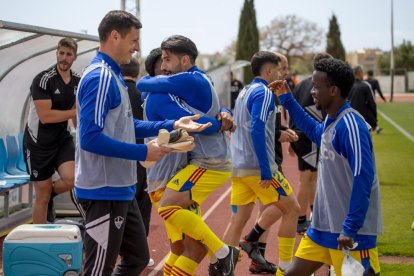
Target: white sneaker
(151, 262)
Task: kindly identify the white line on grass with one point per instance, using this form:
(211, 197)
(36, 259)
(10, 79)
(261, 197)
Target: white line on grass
(403, 131)
(160, 265)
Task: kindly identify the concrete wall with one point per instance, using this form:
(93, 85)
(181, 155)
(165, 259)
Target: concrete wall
(384, 81)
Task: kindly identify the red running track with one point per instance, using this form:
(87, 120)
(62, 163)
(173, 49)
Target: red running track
(217, 211)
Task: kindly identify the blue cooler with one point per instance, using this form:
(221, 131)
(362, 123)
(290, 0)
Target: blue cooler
(43, 249)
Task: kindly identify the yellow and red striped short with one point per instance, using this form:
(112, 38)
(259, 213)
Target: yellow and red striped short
(200, 182)
(309, 250)
(245, 190)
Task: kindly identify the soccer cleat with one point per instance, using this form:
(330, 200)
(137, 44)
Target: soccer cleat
(252, 249)
(227, 264)
(302, 227)
(267, 268)
(177, 140)
(213, 270)
(180, 141)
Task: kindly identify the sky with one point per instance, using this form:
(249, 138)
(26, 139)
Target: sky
(213, 24)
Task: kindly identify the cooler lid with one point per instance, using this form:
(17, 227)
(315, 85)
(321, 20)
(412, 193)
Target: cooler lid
(44, 233)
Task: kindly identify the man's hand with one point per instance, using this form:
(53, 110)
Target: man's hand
(345, 242)
(155, 152)
(187, 123)
(279, 87)
(288, 135)
(265, 183)
(227, 122)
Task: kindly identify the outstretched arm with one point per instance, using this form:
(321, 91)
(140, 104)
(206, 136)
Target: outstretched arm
(189, 86)
(312, 128)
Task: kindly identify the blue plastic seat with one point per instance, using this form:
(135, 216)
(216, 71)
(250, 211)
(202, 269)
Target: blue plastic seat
(21, 163)
(13, 157)
(11, 180)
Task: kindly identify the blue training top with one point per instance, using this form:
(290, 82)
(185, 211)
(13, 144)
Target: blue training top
(98, 95)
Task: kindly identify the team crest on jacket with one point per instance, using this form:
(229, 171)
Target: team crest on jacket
(118, 221)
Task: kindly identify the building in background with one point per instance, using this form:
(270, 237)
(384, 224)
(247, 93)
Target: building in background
(367, 58)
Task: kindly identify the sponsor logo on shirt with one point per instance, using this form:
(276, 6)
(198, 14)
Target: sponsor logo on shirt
(57, 91)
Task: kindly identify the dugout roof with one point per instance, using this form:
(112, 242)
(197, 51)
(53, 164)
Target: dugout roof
(25, 50)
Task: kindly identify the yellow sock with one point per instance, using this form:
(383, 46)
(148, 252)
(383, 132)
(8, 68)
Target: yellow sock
(285, 251)
(184, 266)
(169, 263)
(191, 225)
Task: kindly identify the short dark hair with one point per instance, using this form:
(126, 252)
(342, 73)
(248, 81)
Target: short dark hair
(261, 58)
(118, 20)
(69, 43)
(131, 69)
(152, 58)
(338, 72)
(182, 45)
(370, 73)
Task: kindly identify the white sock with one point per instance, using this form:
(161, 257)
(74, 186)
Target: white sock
(213, 259)
(222, 252)
(284, 265)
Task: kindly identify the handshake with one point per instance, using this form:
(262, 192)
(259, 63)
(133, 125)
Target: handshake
(177, 140)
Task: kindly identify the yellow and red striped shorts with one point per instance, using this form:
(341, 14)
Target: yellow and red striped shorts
(200, 182)
(309, 250)
(245, 190)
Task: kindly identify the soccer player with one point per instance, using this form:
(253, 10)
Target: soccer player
(282, 134)
(47, 141)
(210, 164)
(169, 165)
(255, 172)
(347, 207)
(106, 153)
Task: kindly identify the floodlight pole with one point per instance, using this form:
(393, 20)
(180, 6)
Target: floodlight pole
(392, 52)
(137, 12)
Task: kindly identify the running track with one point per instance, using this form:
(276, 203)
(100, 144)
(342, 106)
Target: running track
(217, 210)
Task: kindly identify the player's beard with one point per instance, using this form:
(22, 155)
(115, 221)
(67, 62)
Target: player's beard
(177, 69)
(64, 66)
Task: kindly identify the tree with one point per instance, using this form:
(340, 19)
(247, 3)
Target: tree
(248, 37)
(291, 36)
(403, 58)
(333, 40)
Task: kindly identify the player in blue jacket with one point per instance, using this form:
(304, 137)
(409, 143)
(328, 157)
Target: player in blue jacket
(255, 173)
(106, 154)
(347, 207)
(209, 163)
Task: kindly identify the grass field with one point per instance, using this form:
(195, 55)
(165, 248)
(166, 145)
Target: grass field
(397, 270)
(395, 164)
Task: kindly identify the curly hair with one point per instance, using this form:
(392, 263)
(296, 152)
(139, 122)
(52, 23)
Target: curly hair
(339, 74)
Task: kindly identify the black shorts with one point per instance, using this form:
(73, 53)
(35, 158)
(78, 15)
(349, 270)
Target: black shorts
(42, 163)
(306, 150)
